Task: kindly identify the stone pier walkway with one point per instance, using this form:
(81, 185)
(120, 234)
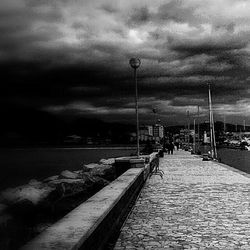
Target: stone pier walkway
(197, 205)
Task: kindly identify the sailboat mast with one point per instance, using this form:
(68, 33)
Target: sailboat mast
(210, 121)
(224, 124)
(214, 142)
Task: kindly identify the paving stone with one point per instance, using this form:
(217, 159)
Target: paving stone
(197, 205)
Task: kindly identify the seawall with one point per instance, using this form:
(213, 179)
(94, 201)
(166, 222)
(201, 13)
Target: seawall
(90, 225)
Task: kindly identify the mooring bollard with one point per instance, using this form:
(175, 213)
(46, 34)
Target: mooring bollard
(205, 157)
(161, 153)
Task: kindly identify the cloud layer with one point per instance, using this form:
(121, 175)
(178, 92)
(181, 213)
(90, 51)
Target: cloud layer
(72, 56)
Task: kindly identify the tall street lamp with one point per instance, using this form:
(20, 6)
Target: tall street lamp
(135, 64)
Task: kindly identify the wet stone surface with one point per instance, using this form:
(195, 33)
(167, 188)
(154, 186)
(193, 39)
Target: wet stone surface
(197, 205)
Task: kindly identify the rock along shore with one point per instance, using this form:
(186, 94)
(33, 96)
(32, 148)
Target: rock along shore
(27, 210)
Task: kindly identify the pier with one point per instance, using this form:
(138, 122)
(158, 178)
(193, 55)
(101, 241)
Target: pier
(197, 205)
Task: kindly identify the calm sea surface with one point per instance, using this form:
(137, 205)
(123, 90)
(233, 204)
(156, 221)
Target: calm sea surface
(18, 166)
(236, 158)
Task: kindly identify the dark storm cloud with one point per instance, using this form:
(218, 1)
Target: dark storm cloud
(208, 45)
(109, 7)
(72, 57)
(176, 11)
(229, 27)
(18, 36)
(171, 11)
(21, 18)
(139, 16)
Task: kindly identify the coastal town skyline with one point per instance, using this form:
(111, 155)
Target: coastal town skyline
(71, 59)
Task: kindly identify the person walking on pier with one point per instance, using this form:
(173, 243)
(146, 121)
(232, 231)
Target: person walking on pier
(171, 147)
(166, 146)
(177, 145)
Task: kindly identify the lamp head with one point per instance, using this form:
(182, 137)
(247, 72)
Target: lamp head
(135, 63)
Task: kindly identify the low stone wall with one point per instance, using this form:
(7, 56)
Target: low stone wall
(148, 162)
(90, 225)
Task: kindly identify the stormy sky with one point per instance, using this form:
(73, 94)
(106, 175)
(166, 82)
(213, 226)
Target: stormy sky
(70, 58)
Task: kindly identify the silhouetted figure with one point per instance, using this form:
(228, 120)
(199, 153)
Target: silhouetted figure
(171, 147)
(167, 147)
(177, 145)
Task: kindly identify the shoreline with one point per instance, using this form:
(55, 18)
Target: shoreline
(111, 146)
(21, 164)
(73, 148)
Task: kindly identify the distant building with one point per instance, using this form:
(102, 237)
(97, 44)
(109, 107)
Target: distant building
(73, 139)
(149, 133)
(158, 132)
(150, 130)
(184, 134)
(89, 141)
(206, 139)
(146, 133)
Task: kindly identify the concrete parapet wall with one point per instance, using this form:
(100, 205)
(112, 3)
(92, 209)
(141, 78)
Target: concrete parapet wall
(153, 161)
(122, 164)
(90, 225)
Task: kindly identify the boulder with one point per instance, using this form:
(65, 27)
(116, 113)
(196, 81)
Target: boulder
(104, 171)
(68, 186)
(35, 183)
(109, 161)
(79, 172)
(75, 191)
(90, 166)
(85, 168)
(94, 182)
(51, 178)
(35, 193)
(66, 174)
(93, 178)
(47, 203)
(22, 207)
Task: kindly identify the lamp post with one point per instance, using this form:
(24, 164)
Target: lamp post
(135, 64)
(198, 150)
(194, 138)
(188, 127)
